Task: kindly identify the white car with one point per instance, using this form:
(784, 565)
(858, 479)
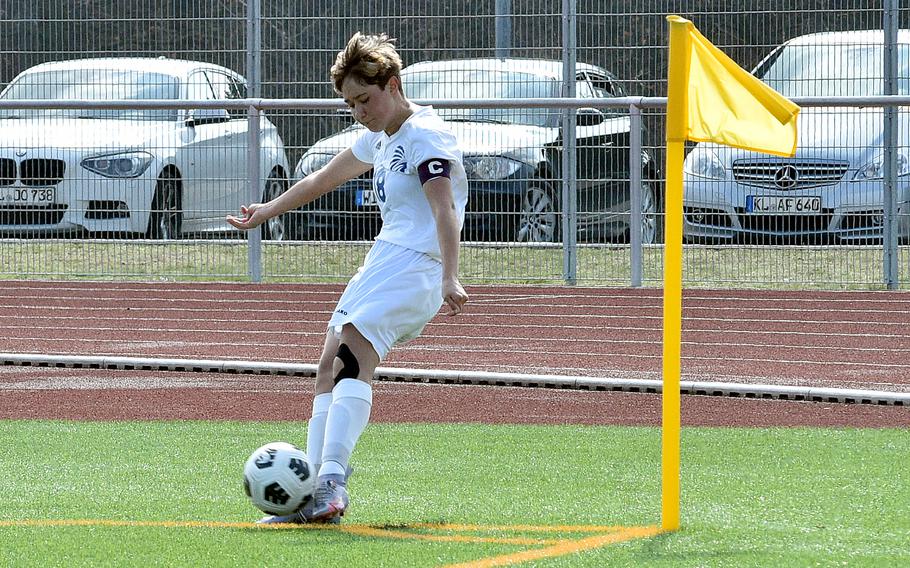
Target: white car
(832, 190)
(154, 173)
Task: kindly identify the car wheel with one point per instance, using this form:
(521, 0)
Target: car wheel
(277, 228)
(166, 217)
(651, 226)
(539, 219)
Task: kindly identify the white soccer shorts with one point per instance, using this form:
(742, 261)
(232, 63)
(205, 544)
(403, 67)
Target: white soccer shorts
(391, 297)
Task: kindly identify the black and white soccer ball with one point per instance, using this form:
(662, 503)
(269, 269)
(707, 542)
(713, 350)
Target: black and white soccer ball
(278, 478)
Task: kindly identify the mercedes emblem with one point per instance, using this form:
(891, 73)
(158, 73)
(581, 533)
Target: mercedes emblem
(786, 177)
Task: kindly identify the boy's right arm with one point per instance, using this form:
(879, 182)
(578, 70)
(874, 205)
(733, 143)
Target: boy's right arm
(340, 169)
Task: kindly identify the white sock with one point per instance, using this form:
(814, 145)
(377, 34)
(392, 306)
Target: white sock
(352, 400)
(315, 433)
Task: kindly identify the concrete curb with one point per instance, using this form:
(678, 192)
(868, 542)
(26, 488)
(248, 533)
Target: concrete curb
(705, 388)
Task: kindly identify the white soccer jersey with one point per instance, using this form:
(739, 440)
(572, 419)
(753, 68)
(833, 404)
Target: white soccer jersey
(407, 219)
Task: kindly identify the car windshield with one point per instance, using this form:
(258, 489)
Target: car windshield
(836, 70)
(485, 84)
(94, 85)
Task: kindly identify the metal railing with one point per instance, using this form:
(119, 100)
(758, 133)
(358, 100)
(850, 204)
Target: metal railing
(256, 106)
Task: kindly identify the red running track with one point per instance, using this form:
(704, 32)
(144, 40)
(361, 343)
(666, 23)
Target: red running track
(852, 340)
(857, 340)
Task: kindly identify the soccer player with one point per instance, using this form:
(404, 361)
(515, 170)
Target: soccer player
(410, 272)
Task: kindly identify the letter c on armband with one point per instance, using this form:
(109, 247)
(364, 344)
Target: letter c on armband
(433, 168)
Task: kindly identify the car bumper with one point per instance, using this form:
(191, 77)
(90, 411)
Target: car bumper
(850, 212)
(81, 201)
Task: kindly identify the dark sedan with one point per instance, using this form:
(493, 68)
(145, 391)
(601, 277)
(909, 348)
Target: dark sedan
(512, 158)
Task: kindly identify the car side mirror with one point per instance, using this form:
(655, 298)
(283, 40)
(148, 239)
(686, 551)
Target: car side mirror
(207, 116)
(589, 117)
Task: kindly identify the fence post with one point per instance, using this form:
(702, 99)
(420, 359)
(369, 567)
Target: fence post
(889, 114)
(569, 151)
(254, 90)
(635, 194)
(503, 28)
(254, 48)
(254, 237)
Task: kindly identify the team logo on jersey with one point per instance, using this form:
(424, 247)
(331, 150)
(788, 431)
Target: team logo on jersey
(398, 164)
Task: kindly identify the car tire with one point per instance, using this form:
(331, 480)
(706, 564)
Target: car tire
(277, 228)
(166, 216)
(652, 226)
(539, 221)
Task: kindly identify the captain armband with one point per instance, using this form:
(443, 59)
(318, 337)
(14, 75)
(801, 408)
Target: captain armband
(432, 169)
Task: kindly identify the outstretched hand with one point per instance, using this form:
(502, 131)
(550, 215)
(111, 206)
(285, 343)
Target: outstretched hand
(250, 217)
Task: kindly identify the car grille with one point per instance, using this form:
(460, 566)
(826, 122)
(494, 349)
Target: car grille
(32, 215)
(7, 172)
(785, 224)
(786, 176)
(36, 172)
(42, 172)
(107, 210)
(707, 217)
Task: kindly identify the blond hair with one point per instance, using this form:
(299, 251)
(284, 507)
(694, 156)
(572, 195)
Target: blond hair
(370, 58)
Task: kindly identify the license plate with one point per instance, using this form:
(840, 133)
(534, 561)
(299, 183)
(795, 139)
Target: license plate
(366, 198)
(26, 195)
(768, 204)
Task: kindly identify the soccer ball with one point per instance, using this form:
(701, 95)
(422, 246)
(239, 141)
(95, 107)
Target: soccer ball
(278, 478)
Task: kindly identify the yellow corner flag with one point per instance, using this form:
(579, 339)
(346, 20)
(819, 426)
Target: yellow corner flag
(709, 99)
(725, 103)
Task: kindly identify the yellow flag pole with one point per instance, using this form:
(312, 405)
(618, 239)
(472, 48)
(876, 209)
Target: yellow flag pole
(677, 116)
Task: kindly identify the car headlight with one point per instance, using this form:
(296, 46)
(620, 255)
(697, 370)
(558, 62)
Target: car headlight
(490, 167)
(876, 168)
(310, 162)
(121, 165)
(704, 163)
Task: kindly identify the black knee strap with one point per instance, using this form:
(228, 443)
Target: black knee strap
(350, 368)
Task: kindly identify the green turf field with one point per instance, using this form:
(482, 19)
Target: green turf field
(170, 494)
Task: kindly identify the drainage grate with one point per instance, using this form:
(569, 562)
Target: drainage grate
(701, 388)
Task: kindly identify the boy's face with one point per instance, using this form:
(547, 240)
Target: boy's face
(371, 105)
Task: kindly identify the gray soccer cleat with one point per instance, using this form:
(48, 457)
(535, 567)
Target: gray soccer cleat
(298, 517)
(306, 513)
(295, 518)
(331, 502)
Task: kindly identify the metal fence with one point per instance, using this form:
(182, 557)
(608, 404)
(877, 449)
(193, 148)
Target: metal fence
(610, 49)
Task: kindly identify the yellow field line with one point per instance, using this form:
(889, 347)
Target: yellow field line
(384, 529)
(363, 530)
(366, 530)
(551, 547)
(517, 528)
(116, 523)
(562, 548)
(373, 530)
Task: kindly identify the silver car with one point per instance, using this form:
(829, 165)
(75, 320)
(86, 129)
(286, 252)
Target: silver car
(832, 190)
(153, 173)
